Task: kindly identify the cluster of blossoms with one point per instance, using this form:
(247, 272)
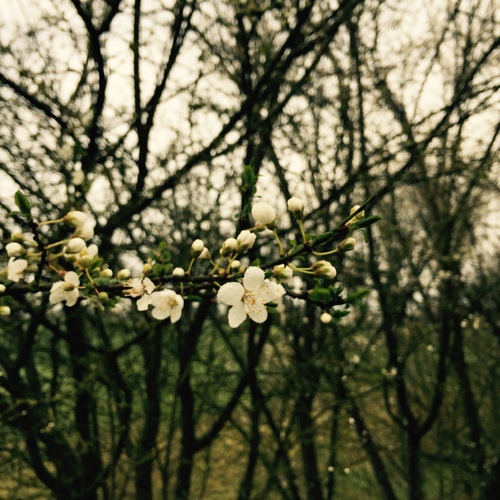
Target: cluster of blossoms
(248, 290)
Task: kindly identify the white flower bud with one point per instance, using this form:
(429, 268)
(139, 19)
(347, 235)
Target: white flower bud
(264, 214)
(245, 240)
(296, 206)
(282, 272)
(326, 318)
(324, 269)
(4, 311)
(228, 247)
(106, 273)
(347, 244)
(15, 249)
(358, 216)
(205, 254)
(85, 261)
(75, 218)
(85, 231)
(147, 268)
(123, 274)
(75, 245)
(197, 247)
(178, 271)
(235, 265)
(2, 288)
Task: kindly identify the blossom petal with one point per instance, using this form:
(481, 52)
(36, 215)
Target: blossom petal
(148, 285)
(161, 312)
(230, 293)
(176, 313)
(72, 278)
(258, 313)
(144, 302)
(237, 315)
(56, 293)
(71, 297)
(254, 278)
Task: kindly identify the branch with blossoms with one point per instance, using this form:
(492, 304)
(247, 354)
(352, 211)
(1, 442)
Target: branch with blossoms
(70, 269)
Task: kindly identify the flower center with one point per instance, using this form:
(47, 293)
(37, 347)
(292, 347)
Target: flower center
(251, 301)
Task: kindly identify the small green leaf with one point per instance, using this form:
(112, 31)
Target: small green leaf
(23, 203)
(366, 221)
(355, 297)
(320, 294)
(158, 270)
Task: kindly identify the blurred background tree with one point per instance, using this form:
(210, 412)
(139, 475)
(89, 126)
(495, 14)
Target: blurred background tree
(144, 113)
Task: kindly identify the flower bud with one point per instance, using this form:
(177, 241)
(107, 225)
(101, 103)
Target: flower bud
(75, 245)
(296, 206)
(228, 247)
(264, 214)
(205, 254)
(196, 248)
(17, 236)
(245, 240)
(123, 274)
(358, 216)
(178, 271)
(324, 269)
(85, 261)
(147, 268)
(75, 218)
(235, 265)
(326, 318)
(15, 249)
(347, 244)
(2, 288)
(4, 311)
(106, 273)
(85, 231)
(103, 296)
(282, 272)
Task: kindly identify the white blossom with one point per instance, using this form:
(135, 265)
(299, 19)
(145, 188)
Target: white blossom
(205, 254)
(137, 287)
(263, 213)
(279, 291)
(245, 240)
(295, 205)
(75, 245)
(166, 304)
(4, 311)
(197, 247)
(16, 268)
(324, 269)
(228, 246)
(326, 318)
(248, 298)
(76, 218)
(14, 249)
(347, 244)
(86, 231)
(282, 273)
(123, 274)
(66, 290)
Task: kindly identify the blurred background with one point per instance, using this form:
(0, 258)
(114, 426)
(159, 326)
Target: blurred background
(144, 113)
